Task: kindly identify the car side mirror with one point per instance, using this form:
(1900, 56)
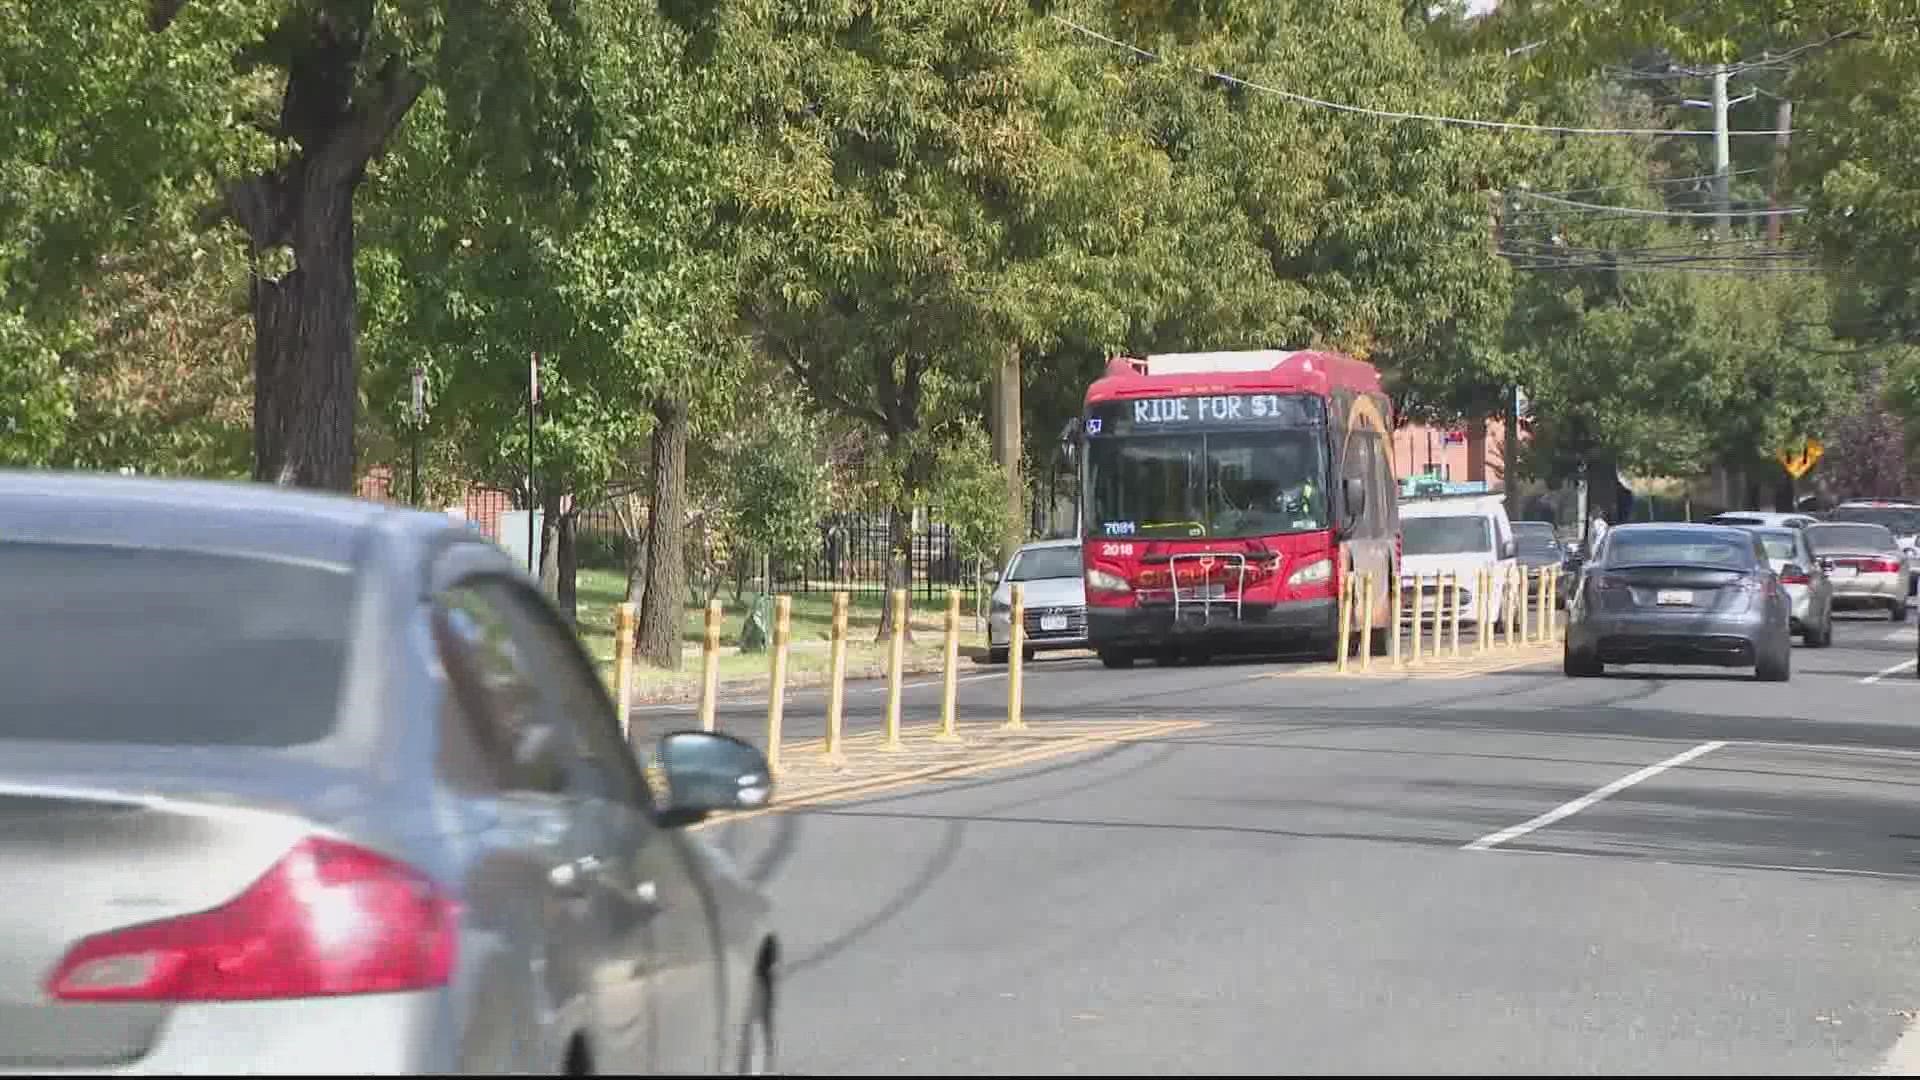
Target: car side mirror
(1509, 548)
(993, 577)
(1791, 570)
(1353, 492)
(707, 772)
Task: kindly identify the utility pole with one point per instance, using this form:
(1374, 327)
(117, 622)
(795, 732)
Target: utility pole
(1722, 152)
(1783, 125)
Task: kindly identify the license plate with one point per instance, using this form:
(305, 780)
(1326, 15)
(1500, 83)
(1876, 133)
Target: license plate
(1053, 622)
(1846, 571)
(1675, 598)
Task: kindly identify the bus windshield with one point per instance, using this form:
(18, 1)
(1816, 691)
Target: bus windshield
(1226, 485)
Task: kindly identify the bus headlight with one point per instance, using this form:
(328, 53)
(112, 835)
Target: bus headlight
(1317, 572)
(1105, 581)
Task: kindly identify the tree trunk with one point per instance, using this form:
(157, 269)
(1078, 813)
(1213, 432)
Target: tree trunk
(552, 507)
(304, 366)
(1007, 445)
(569, 592)
(900, 570)
(662, 619)
(306, 320)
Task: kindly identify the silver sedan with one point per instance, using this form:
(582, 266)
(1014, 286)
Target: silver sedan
(300, 784)
(1866, 564)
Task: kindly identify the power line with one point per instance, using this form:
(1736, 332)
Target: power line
(1539, 263)
(1634, 211)
(1700, 178)
(1386, 114)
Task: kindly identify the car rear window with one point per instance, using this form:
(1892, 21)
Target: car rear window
(1451, 535)
(1678, 547)
(1037, 564)
(1780, 545)
(1900, 519)
(135, 645)
(1824, 538)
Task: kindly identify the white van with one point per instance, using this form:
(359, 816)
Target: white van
(1461, 535)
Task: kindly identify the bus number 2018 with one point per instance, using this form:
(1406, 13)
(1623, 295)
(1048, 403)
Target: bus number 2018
(1118, 550)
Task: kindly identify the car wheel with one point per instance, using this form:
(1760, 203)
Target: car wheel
(1027, 654)
(1580, 667)
(1115, 658)
(996, 656)
(756, 1041)
(1775, 667)
(1820, 636)
(1897, 612)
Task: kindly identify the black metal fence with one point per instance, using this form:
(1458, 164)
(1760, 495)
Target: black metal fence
(854, 554)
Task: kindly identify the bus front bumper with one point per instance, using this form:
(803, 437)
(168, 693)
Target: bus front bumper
(1217, 625)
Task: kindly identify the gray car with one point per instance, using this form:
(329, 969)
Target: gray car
(1054, 590)
(1680, 594)
(1866, 564)
(300, 784)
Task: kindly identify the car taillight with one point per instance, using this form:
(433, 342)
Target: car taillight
(1801, 578)
(1610, 585)
(1882, 566)
(329, 918)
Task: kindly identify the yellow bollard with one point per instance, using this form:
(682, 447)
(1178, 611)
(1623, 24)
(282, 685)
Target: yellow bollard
(1393, 623)
(1340, 646)
(1514, 607)
(1553, 605)
(837, 677)
(896, 664)
(1480, 610)
(623, 620)
(710, 668)
(1453, 590)
(1016, 657)
(950, 687)
(777, 680)
(1366, 621)
(1419, 613)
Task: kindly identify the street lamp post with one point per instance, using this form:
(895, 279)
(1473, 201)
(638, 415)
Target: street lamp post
(418, 412)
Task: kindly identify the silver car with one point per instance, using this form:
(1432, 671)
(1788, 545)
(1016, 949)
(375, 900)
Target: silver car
(1866, 564)
(1680, 594)
(1054, 588)
(300, 784)
(1806, 582)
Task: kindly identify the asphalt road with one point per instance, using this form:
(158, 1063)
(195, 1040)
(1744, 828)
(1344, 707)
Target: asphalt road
(1388, 875)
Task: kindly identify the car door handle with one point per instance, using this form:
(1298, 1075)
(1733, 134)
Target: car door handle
(572, 878)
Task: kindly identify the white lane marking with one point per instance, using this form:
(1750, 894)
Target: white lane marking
(1904, 1058)
(1904, 665)
(1897, 635)
(690, 706)
(1568, 809)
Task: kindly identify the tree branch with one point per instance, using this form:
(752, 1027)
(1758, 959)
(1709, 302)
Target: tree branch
(160, 13)
(372, 123)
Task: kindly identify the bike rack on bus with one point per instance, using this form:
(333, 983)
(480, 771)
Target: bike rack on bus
(1206, 559)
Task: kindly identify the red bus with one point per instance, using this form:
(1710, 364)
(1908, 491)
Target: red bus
(1226, 497)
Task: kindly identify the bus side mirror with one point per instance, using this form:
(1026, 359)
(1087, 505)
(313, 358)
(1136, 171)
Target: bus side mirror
(1353, 491)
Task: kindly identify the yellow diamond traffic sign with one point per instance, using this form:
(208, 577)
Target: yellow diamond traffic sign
(1801, 461)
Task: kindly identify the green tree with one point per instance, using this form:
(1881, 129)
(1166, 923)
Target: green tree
(273, 112)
